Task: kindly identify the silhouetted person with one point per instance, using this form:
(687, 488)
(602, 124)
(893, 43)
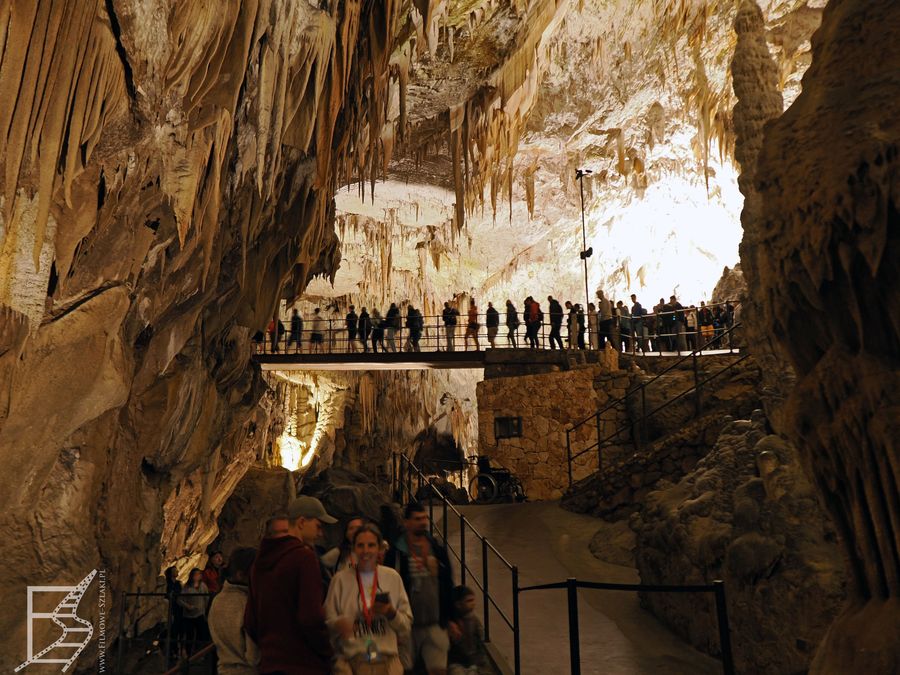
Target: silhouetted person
(678, 323)
(415, 324)
(638, 323)
(580, 324)
(296, 337)
(317, 332)
(512, 323)
(391, 326)
(492, 323)
(352, 321)
(571, 326)
(556, 319)
(377, 331)
(472, 326)
(533, 322)
(604, 309)
(593, 320)
(449, 317)
(193, 600)
(364, 328)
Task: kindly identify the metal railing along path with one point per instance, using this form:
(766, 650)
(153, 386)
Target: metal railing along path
(717, 588)
(638, 426)
(408, 483)
(169, 649)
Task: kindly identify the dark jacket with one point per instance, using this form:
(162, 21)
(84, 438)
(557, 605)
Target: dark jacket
(512, 317)
(449, 316)
(284, 614)
(365, 324)
(392, 319)
(398, 558)
(556, 313)
(352, 321)
(492, 319)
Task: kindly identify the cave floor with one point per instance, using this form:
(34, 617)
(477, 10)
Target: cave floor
(550, 544)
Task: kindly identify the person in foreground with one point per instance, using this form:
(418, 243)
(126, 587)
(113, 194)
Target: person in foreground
(237, 653)
(285, 616)
(367, 611)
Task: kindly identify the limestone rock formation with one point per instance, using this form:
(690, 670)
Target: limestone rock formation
(746, 515)
(168, 172)
(824, 272)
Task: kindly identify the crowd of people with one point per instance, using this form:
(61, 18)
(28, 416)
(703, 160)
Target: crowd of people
(670, 326)
(367, 606)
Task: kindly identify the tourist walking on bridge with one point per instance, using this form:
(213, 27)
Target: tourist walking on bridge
(364, 328)
(593, 326)
(449, 316)
(604, 309)
(415, 324)
(391, 326)
(296, 336)
(512, 323)
(377, 331)
(534, 319)
(472, 326)
(492, 322)
(352, 322)
(571, 326)
(638, 324)
(556, 319)
(317, 332)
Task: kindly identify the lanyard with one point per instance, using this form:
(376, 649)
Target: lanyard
(368, 612)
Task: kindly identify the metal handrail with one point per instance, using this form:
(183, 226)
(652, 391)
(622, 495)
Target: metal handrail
(663, 405)
(666, 370)
(403, 470)
(336, 337)
(642, 388)
(717, 588)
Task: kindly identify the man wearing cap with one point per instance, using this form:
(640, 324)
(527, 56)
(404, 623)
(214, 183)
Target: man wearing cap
(285, 614)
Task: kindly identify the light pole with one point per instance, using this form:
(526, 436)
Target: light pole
(585, 251)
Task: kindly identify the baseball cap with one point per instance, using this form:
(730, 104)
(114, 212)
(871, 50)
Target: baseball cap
(309, 507)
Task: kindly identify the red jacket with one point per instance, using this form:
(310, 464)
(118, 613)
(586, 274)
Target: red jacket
(213, 579)
(284, 613)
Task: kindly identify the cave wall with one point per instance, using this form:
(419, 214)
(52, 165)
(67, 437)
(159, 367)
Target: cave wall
(168, 173)
(822, 269)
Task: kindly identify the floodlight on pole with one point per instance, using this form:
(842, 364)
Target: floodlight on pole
(585, 252)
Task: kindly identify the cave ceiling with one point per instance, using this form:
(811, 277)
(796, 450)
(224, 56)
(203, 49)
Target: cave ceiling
(497, 103)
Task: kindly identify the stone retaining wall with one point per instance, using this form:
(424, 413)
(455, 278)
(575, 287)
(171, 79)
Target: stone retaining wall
(548, 403)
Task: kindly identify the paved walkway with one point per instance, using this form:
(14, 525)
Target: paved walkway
(549, 545)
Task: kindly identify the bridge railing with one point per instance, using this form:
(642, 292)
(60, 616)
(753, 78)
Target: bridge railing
(664, 332)
(637, 427)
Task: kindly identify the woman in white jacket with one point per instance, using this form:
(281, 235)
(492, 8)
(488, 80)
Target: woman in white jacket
(367, 610)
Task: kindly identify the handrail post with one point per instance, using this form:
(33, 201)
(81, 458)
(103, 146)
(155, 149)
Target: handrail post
(724, 630)
(599, 447)
(462, 550)
(517, 651)
(485, 585)
(444, 524)
(574, 642)
(696, 385)
(121, 646)
(569, 454)
(169, 624)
